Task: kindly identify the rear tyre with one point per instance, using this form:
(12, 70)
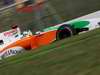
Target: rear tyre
(65, 31)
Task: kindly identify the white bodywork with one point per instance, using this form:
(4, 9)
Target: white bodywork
(9, 37)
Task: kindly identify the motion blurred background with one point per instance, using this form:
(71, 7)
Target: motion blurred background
(38, 14)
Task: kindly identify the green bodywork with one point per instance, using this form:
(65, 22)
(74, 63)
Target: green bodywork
(80, 24)
(75, 24)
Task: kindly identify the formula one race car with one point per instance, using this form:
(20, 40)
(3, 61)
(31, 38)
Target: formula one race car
(13, 41)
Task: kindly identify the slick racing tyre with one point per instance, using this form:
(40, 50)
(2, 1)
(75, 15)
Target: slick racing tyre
(65, 31)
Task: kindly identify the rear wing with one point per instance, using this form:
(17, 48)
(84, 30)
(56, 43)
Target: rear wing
(10, 35)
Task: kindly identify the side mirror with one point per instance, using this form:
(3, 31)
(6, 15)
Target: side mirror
(38, 32)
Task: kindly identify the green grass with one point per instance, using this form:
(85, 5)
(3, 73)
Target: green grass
(78, 55)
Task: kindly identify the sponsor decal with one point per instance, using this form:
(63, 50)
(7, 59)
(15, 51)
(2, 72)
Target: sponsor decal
(11, 52)
(11, 32)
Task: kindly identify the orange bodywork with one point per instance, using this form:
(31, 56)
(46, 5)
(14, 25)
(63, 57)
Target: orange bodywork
(34, 41)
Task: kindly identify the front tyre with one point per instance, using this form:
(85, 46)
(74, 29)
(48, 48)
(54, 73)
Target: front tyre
(65, 31)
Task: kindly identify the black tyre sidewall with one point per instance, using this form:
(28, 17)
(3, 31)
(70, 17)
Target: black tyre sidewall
(68, 27)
